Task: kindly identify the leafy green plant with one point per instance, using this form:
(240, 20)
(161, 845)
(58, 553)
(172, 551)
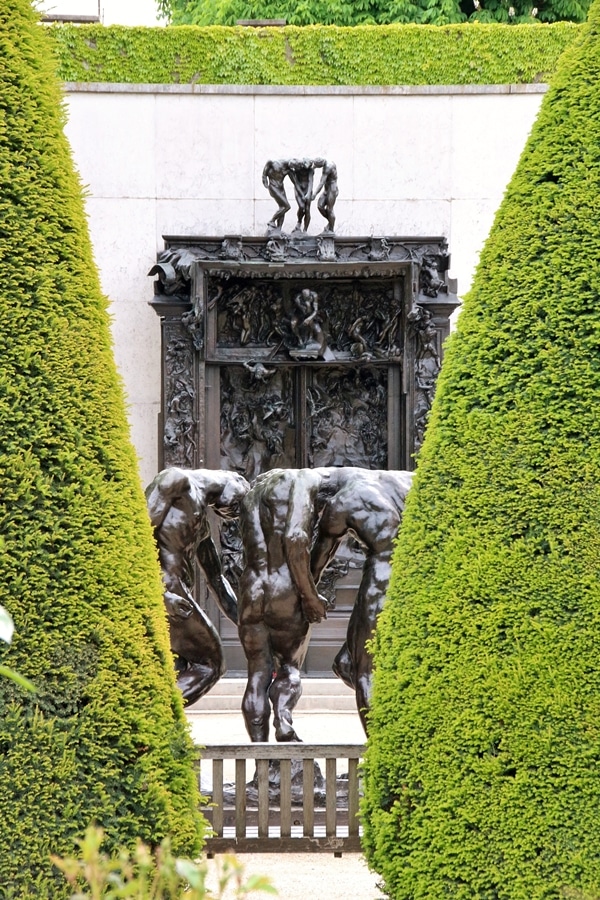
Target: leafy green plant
(104, 737)
(376, 12)
(6, 632)
(319, 54)
(147, 875)
(481, 771)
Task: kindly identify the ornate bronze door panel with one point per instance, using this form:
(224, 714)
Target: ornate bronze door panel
(299, 352)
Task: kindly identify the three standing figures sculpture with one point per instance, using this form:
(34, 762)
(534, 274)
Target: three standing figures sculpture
(301, 173)
(292, 522)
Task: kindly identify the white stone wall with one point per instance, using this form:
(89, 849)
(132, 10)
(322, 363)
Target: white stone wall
(188, 161)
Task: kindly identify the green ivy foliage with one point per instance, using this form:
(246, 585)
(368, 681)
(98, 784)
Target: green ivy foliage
(371, 12)
(481, 776)
(319, 55)
(104, 737)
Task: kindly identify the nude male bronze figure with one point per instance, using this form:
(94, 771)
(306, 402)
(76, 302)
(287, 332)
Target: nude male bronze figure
(278, 597)
(368, 504)
(329, 186)
(301, 174)
(306, 325)
(178, 501)
(273, 176)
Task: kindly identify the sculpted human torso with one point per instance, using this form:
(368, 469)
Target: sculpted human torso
(369, 505)
(178, 501)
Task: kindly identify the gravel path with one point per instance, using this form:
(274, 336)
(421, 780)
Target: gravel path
(309, 876)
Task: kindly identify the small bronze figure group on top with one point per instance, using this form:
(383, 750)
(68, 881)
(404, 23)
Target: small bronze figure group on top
(301, 173)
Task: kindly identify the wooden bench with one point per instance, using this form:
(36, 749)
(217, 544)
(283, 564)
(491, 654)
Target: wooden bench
(257, 821)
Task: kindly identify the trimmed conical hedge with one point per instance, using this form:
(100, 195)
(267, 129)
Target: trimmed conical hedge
(104, 739)
(483, 764)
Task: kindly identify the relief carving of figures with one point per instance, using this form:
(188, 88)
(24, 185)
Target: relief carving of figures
(276, 249)
(308, 340)
(430, 282)
(193, 322)
(361, 323)
(232, 248)
(326, 248)
(248, 314)
(301, 174)
(379, 250)
(174, 270)
(180, 440)
(364, 323)
(348, 418)
(232, 554)
(427, 367)
(256, 415)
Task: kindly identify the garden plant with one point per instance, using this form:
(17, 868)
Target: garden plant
(103, 738)
(370, 12)
(146, 875)
(481, 776)
(320, 54)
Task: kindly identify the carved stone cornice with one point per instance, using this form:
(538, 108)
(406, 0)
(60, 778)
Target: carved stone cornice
(297, 256)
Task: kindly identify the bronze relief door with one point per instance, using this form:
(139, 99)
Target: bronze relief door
(286, 394)
(299, 362)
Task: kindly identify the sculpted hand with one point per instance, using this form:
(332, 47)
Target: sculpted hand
(314, 608)
(178, 607)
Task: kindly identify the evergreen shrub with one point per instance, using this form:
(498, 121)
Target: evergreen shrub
(315, 55)
(482, 769)
(104, 737)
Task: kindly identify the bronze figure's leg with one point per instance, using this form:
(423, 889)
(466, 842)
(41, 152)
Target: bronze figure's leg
(278, 194)
(285, 691)
(199, 663)
(195, 680)
(342, 666)
(256, 707)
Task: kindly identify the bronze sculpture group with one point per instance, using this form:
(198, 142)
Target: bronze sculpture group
(301, 173)
(291, 522)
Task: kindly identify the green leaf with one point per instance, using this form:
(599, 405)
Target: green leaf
(259, 883)
(18, 679)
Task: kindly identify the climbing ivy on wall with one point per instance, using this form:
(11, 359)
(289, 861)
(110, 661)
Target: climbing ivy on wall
(319, 55)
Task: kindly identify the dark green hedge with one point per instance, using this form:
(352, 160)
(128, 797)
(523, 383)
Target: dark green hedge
(104, 738)
(365, 55)
(483, 765)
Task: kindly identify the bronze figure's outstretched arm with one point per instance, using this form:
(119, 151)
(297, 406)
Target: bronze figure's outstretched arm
(210, 561)
(298, 538)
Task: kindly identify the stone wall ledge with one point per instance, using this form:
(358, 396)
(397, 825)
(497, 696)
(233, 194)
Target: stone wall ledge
(102, 87)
